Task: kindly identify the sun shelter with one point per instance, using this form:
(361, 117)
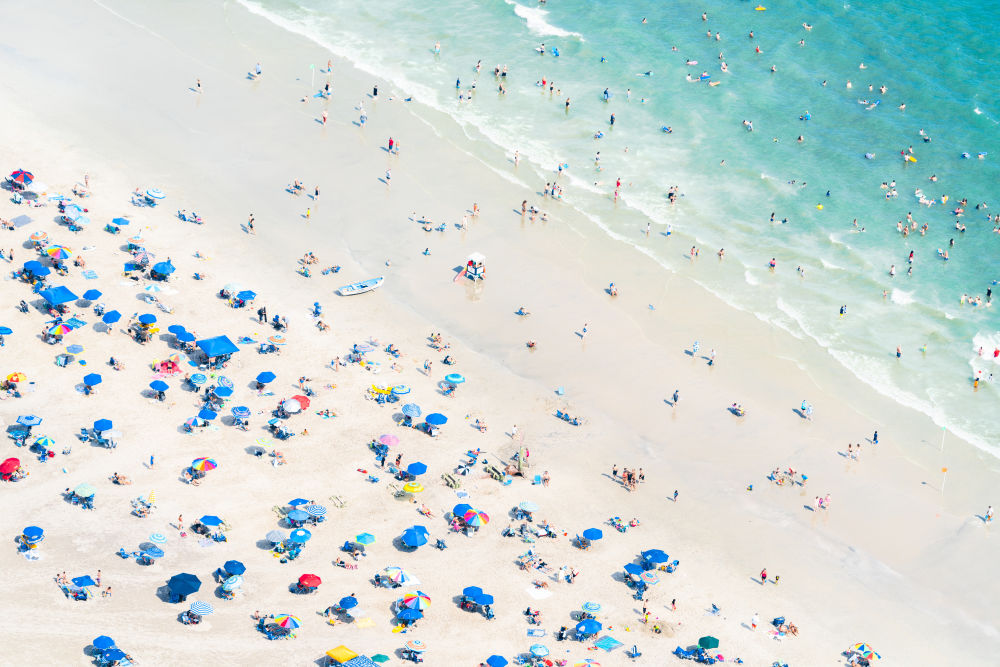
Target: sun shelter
(183, 585)
(340, 655)
(218, 349)
(56, 296)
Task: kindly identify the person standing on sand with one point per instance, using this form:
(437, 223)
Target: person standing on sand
(388, 177)
(988, 517)
(583, 334)
(324, 116)
(198, 84)
(754, 620)
(763, 576)
(677, 396)
(676, 493)
(614, 471)
(875, 438)
(151, 461)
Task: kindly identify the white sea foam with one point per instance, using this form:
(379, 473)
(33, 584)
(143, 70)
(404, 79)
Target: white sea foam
(534, 17)
(902, 298)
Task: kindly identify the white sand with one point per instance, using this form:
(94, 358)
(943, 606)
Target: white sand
(894, 562)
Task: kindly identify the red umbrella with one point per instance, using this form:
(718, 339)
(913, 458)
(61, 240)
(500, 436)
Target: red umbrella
(309, 581)
(23, 177)
(303, 401)
(9, 466)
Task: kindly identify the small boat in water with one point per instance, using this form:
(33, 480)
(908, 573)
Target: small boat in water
(361, 287)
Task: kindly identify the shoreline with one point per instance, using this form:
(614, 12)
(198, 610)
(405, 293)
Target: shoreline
(598, 381)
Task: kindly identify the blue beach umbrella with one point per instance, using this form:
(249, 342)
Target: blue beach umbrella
(472, 591)
(297, 515)
(454, 378)
(484, 599)
(497, 661)
(113, 655)
(266, 377)
(29, 420)
(295, 502)
(460, 509)
(153, 552)
(103, 643)
(411, 410)
(436, 419)
(92, 379)
(211, 520)
(349, 602)
(6, 331)
(165, 268)
(176, 328)
(588, 627)
(185, 336)
(416, 468)
(199, 379)
(234, 567)
(158, 385)
(410, 614)
(33, 534)
(632, 568)
(121, 222)
(241, 411)
(223, 392)
(103, 425)
(539, 650)
(413, 538)
(201, 608)
(400, 390)
(111, 317)
(207, 415)
(92, 294)
(147, 318)
(246, 295)
(184, 583)
(593, 534)
(300, 535)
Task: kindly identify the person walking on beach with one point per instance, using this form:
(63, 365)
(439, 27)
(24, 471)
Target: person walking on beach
(677, 396)
(152, 460)
(988, 517)
(198, 85)
(324, 116)
(614, 471)
(754, 620)
(250, 225)
(875, 438)
(676, 493)
(763, 576)
(388, 177)
(583, 334)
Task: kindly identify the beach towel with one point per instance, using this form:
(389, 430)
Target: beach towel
(607, 643)
(536, 632)
(90, 274)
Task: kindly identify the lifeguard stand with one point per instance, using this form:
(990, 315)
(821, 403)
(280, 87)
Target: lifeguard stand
(475, 266)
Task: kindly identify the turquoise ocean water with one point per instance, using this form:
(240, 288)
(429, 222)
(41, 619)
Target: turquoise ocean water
(935, 58)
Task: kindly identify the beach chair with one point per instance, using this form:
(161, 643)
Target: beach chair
(451, 481)
(537, 480)
(338, 501)
(280, 511)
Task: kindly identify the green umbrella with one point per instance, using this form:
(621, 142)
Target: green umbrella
(708, 642)
(85, 491)
(380, 657)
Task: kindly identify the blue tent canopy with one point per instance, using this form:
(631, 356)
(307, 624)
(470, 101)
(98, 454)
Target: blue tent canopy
(472, 591)
(33, 265)
(57, 295)
(113, 655)
(218, 346)
(632, 568)
(85, 580)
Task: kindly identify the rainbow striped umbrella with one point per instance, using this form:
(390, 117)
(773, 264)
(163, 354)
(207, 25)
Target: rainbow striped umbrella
(23, 177)
(45, 441)
(476, 519)
(39, 235)
(204, 464)
(866, 651)
(398, 575)
(287, 621)
(58, 252)
(60, 329)
(418, 600)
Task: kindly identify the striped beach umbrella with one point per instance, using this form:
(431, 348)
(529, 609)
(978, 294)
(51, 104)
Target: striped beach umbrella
(413, 487)
(400, 390)
(158, 538)
(476, 519)
(201, 608)
(232, 582)
(418, 600)
(416, 646)
(277, 340)
(151, 498)
(223, 381)
(398, 575)
(315, 510)
(58, 252)
(411, 410)
(60, 329)
(204, 464)
(241, 411)
(300, 535)
(45, 441)
(155, 193)
(40, 235)
(591, 607)
(287, 621)
(650, 577)
(22, 177)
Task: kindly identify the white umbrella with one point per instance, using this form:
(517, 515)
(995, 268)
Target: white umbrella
(291, 406)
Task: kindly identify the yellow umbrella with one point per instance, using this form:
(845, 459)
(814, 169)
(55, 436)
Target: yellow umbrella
(152, 497)
(413, 487)
(17, 377)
